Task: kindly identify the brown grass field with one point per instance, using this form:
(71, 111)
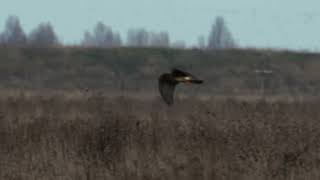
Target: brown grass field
(92, 113)
(78, 135)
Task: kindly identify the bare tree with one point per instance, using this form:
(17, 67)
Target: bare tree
(13, 33)
(154, 39)
(220, 37)
(117, 41)
(87, 39)
(138, 38)
(43, 35)
(160, 39)
(102, 36)
(201, 42)
(179, 44)
(2, 40)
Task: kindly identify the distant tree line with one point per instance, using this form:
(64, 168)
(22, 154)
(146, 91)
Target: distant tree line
(103, 36)
(14, 35)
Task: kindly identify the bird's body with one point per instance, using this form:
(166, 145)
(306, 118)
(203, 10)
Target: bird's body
(168, 82)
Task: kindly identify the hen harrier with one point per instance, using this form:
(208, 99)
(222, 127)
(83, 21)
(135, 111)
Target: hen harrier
(168, 82)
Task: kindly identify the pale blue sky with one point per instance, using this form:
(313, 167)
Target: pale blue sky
(293, 24)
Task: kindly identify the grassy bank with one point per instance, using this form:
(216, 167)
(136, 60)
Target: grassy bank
(231, 72)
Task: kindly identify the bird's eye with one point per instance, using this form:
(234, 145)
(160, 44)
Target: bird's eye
(187, 78)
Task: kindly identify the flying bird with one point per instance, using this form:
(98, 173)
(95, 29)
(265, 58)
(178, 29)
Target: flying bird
(168, 81)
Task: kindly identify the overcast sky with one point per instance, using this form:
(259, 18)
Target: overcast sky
(290, 24)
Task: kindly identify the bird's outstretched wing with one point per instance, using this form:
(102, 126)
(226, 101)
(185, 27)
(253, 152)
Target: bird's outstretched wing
(166, 88)
(179, 73)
